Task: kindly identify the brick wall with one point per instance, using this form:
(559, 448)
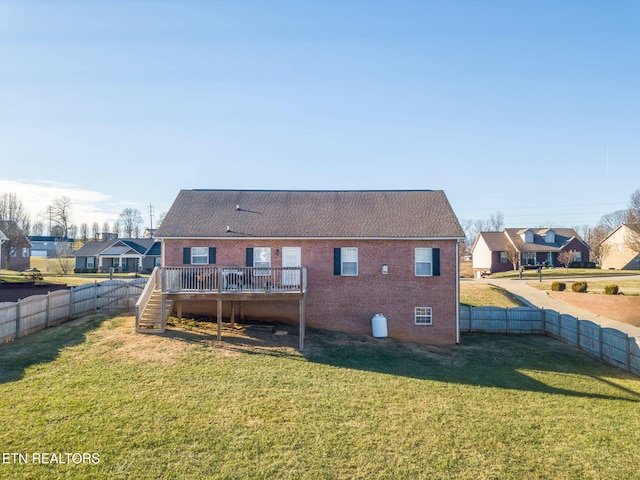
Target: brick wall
(347, 303)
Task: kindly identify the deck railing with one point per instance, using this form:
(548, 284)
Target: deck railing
(205, 279)
(152, 284)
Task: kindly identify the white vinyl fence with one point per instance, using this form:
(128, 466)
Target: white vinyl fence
(609, 345)
(31, 314)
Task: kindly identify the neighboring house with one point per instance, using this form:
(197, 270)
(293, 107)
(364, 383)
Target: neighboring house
(529, 247)
(121, 254)
(616, 252)
(50, 247)
(16, 249)
(332, 259)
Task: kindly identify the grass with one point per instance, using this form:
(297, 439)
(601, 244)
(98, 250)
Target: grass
(484, 294)
(51, 273)
(560, 273)
(182, 405)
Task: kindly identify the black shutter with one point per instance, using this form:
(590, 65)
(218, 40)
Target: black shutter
(337, 263)
(436, 262)
(212, 255)
(249, 257)
(186, 256)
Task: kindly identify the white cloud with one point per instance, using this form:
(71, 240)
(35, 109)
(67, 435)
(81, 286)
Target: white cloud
(87, 206)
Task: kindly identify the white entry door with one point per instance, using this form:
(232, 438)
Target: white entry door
(291, 257)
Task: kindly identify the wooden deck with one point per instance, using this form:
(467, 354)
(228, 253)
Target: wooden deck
(225, 284)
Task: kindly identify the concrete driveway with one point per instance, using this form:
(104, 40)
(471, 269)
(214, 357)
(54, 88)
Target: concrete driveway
(539, 298)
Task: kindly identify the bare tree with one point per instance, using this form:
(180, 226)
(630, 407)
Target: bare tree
(496, 222)
(38, 228)
(15, 224)
(84, 232)
(472, 228)
(12, 210)
(131, 221)
(160, 218)
(95, 231)
(565, 257)
(513, 255)
(633, 222)
(611, 221)
(594, 237)
(59, 215)
(64, 259)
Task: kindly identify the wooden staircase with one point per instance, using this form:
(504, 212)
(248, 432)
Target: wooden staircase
(153, 318)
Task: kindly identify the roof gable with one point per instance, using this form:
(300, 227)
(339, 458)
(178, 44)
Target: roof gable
(117, 246)
(310, 214)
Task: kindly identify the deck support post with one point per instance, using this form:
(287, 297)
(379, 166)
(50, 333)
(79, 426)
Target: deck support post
(219, 318)
(301, 321)
(179, 310)
(233, 313)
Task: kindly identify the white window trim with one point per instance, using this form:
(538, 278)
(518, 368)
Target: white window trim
(343, 250)
(261, 267)
(199, 255)
(423, 316)
(423, 262)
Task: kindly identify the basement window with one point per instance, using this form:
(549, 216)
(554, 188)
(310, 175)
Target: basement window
(423, 316)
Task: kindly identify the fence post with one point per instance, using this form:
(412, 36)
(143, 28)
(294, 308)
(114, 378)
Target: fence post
(506, 319)
(600, 343)
(578, 331)
(628, 353)
(18, 319)
(95, 295)
(71, 301)
(48, 313)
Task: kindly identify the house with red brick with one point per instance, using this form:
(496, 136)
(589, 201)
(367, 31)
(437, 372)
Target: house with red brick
(15, 249)
(514, 248)
(327, 259)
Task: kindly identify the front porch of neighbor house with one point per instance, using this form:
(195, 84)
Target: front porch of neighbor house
(207, 285)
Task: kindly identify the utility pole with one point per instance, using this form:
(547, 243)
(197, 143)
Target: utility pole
(150, 217)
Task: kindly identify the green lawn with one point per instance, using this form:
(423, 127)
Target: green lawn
(560, 273)
(182, 405)
(484, 295)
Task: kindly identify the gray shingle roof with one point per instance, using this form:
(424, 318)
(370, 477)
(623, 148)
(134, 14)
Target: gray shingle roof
(310, 214)
(499, 241)
(140, 245)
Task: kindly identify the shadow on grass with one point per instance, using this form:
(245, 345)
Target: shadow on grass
(43, 346)
(249, 339)
(486, 360)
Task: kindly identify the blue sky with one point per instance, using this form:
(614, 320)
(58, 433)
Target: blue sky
(531, 109)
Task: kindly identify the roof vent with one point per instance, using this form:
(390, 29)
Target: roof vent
(228, 228)
(238, 207)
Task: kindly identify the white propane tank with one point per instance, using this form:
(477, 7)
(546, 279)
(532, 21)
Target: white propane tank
(379, 325)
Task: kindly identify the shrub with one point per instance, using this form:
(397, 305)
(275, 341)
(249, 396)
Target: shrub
(579, 287)
(611, 289)
(558, 286)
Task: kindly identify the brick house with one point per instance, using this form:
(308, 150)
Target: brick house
(328, 259)
(16, 249)
(529, 247)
